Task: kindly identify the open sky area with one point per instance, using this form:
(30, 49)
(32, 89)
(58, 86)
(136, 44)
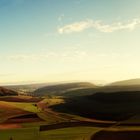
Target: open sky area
(69, 40)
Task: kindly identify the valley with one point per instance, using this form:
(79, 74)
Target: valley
(74, 111)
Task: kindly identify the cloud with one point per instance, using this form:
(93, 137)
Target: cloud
(98, 25)
(75, 27)
(66, 55)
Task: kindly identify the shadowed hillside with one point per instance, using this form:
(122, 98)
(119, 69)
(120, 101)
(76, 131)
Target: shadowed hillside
(105, 106)
(7, 92)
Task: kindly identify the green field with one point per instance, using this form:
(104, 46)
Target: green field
(75, 133)
(20, 134)
(26, 106)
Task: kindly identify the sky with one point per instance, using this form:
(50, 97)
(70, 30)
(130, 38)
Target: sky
(69, 40)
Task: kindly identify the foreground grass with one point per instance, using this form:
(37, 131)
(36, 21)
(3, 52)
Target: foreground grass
(26, 106)
(20, 134)
(74, 133)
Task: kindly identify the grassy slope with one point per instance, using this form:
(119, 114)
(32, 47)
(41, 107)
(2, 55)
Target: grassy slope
(7, 92)
(24, 99)
(128, 82)
(7, 110)
(20, 134)
(112, 106)
(75, 133)
(26, 106)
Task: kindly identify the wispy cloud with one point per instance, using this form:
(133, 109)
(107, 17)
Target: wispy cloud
(99, 25)
(73, 55)
(75, 27)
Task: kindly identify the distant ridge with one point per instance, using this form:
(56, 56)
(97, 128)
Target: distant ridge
(7, 92)
(129, 82)
(61, 89)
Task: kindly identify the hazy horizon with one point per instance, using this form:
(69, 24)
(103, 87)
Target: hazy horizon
(77, 40)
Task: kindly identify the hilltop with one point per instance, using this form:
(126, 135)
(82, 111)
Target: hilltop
(129, 82)
(62, 89)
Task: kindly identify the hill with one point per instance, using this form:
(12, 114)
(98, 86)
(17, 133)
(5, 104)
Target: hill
(103, 105)
(80, 92)
(24, 99)
(111, 88)
(130, 82)
(7, 92)
(125, 85)
(62, 89)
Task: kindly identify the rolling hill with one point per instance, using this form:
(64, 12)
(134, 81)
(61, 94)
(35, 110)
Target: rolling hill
(125, 85)
(130, 82)
(7, 92)
(63, 89)
(111, 88)
(103, 105)
(85, 88)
